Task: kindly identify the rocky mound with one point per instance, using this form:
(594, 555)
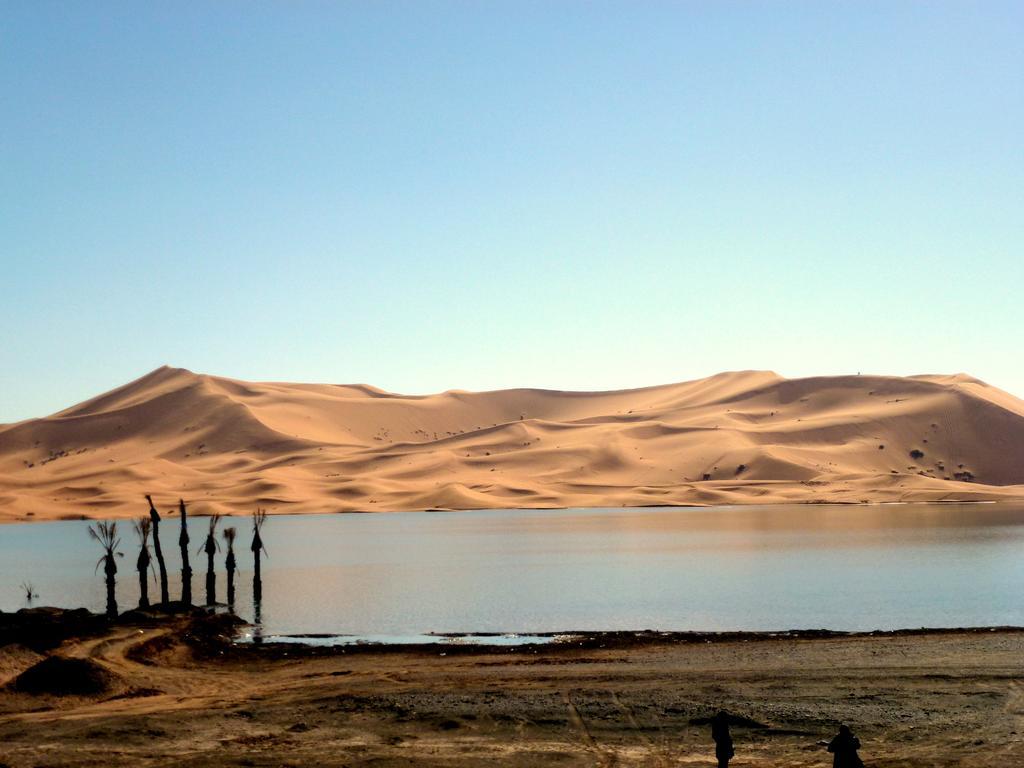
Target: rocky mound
(60, 676)
(15, 659)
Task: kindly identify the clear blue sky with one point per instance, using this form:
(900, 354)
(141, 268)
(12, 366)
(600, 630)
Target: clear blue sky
(476, 195)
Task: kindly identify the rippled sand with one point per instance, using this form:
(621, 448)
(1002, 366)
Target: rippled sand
(227, 445)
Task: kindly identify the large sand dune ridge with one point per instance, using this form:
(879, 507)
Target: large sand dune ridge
(227, 446)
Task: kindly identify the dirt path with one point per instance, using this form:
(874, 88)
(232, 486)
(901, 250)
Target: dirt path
(933, 700)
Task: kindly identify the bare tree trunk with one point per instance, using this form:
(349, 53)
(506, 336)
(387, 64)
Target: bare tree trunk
(110, 569)
(143, 589)
(257, 581)
(258, 518)
(186, 569)
(165, 596)
(211, 578)
(231, 578)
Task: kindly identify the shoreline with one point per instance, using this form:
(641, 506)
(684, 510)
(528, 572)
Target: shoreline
(174, 693)
(998, 500)
(573, 641)
(221, 629)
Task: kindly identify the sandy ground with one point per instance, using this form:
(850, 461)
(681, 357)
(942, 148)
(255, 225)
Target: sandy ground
(747, 437)
(933, 700)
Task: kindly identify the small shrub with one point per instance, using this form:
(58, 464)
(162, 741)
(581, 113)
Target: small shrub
(916, 454)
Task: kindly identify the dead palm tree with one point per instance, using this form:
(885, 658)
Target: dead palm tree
(229, 537)
(211, 547)
(144, 562)
(186, 569)
(258, 518)
(29, 590)
(106, 534)
(154, 517)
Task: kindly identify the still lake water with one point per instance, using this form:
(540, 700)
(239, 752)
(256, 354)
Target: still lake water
(720, 568)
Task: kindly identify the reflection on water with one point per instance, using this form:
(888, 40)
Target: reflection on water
(255, 635)
(725, 568)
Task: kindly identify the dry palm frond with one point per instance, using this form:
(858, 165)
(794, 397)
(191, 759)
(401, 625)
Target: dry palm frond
(143, 526)
(230, 562)
(211, 535)
(105, 532)
(259, 517)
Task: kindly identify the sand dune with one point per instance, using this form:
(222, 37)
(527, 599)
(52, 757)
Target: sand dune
(744, 437)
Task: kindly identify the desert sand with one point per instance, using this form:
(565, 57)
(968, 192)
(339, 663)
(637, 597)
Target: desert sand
(748, 437)
(926, 700)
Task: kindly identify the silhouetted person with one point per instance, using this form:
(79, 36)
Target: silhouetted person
(723, 739)
(844, 748)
